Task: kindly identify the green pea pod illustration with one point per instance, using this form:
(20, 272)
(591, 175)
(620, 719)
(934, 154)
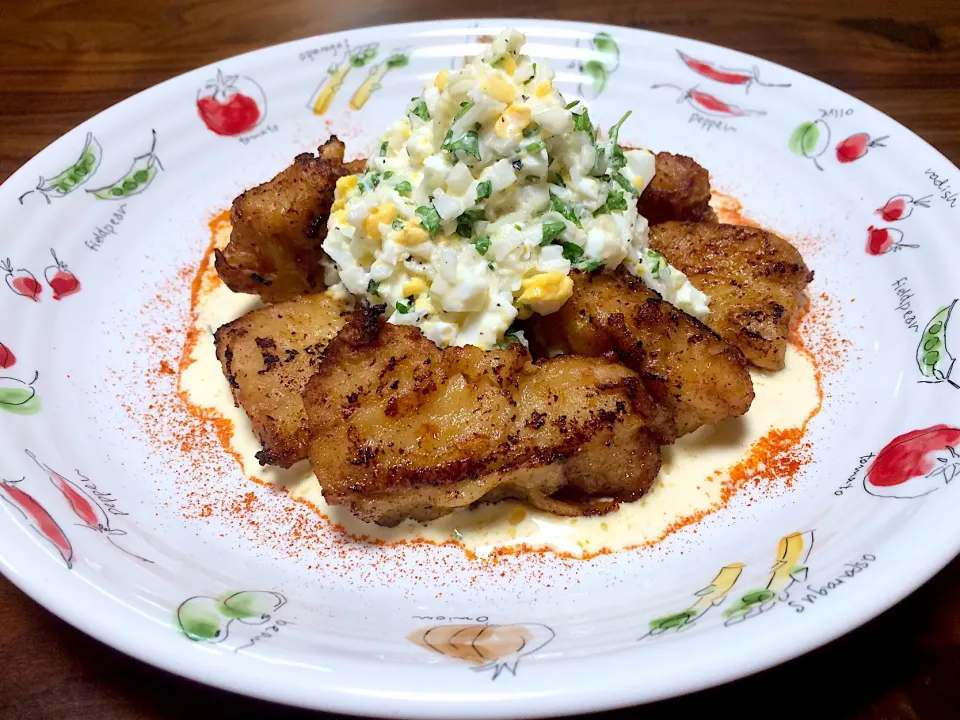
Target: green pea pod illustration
(72, 177)
(933, 358)
(143, 170)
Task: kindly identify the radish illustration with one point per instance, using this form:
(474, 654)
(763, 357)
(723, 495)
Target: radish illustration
(856, 146)
(61, 281)
(21, 281)
(7, 358)
(231, 104)
(884, 240)
(901, 206)
(915, 464)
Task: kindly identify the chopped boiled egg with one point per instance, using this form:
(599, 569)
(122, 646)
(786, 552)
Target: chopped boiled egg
(484, 197)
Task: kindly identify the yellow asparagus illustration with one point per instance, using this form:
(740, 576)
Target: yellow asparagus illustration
(790, 567)
(397, 59)
(708, 597)
(327, 91)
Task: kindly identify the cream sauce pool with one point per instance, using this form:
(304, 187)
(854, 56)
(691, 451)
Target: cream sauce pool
(690, 482)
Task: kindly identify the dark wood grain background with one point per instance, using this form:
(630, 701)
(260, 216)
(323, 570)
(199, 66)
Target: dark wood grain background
(62, 61)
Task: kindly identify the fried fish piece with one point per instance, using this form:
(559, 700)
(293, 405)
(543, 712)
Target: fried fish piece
(679, 190)
(755, 281)
(267, 357)
(685, 366)
(402, 429)
(279, 226)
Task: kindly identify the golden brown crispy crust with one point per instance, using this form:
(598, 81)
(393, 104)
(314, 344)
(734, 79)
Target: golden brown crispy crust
(755, 281)
(402, 429)
(680, 190)
(685, 366)
(279, 227)
(267, 357)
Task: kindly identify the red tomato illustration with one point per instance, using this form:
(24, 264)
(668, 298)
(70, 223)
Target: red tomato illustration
(856, 146)
(231, 104)
(915, 464)
(884, 240)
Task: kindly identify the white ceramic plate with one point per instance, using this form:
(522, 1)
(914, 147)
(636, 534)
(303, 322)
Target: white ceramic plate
(119, 530)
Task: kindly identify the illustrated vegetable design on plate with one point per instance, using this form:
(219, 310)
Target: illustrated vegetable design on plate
(793, 552)
(91, 514)
(708, 104)
(18, 397)
(900, 207)
(487, 647)
(21, 281)
(604, 61)
(72, 177)
(915, 464)
(812, 139)
(710, 596)
(37, 517)
(934, 360)
(231, 105)
(727, 76)
(327, 91)
(208, 619)
(143, 169)
(880, 241)
(7, 358)
(63, 282)
(374, 80)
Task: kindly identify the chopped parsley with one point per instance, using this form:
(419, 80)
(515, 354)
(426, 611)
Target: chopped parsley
(468, 143)
(383, 148)
(464, 106)
(531, 78)
(536, 146)
(587, 265)
(404, 188)
(658, 263)
(388, 174)
(620, 180)
(615, 202)
(551, 231)
(373, 287)
(397, 224)
(429, 218)
(403, 308)
(571, 251)
(490, 267)
(531, 130)
(482, 244)
(572, 105)
(498, 63)
(581, 121)
(508, 340)
(369, 182)
(466, 221)
(565, 210)
(484, 188)
(421, 111)
(615, 157)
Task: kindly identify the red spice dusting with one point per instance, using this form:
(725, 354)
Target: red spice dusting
(274, 522)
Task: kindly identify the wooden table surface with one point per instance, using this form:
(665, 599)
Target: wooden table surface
(62, 61)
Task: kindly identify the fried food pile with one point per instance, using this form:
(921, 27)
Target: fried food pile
(397, 428)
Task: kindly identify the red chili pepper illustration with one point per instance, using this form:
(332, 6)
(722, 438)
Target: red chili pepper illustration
(60, 279)
(726, 75)
(92, 515)
(40, 520)
(884, 240)
(23, 283)
(706, 103)
(7, 358)
(856, 146)
(915, 464)
(901, 206)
